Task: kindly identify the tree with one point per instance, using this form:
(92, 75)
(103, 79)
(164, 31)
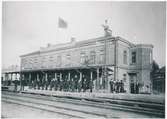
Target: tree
(155, 66)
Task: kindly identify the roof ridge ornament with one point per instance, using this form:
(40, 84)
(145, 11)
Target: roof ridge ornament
(107, 30)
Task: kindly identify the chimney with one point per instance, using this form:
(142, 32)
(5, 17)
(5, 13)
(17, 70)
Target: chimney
(72, 39)
(48, 45)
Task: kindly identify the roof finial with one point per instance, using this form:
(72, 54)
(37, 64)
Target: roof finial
(107, 30)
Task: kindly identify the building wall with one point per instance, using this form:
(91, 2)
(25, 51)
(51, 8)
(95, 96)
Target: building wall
(143, 57)
(123, 75)
(121, 48)
(70, 57)
(49, 59)
(142, 66)
(146, 88)
(123, 67)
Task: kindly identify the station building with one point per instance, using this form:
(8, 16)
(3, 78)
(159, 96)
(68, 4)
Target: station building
(96, 61)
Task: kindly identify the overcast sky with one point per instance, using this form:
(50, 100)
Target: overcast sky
(27, 26)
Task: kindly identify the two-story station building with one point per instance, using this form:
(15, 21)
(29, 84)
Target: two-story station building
(94, 63)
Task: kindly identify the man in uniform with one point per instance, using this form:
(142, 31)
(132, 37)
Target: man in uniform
(46, 83)
(43, 82)
(55, 84)
(72, 85)
(111, 86)
(122, 87)
(38, 84)
(79, 85)
(51, 84)
(91, 85)
(84, 85)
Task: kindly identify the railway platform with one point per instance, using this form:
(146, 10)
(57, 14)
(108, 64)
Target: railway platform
(106, 96)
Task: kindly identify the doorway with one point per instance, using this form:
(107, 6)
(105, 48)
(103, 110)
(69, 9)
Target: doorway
(134, 86)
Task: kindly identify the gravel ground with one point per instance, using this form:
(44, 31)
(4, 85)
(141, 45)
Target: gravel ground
(9, 110)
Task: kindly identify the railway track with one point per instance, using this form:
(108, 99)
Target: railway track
(40, 107)
(78, 108)
(71, 113)
(150, 108)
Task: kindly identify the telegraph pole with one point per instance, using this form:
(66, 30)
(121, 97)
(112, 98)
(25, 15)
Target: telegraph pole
(108, 32)
(105, 62)
(115, 62)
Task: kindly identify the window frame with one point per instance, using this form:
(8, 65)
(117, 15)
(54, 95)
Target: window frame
(68, 58)
(101, 57)
(93, 57)
(59, 60)
(82, 57)
(134, 57)
(125, 57)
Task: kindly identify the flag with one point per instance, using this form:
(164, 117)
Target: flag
(62, 23)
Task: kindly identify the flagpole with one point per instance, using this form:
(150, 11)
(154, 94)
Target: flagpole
(58, 34)
(62, 25)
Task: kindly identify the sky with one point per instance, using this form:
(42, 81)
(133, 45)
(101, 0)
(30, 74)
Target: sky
(27, 26)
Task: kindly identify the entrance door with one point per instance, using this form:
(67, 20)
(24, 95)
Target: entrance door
(134, 88)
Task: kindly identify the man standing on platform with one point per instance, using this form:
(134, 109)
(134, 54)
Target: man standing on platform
(46, 83)
(79, 85)
(72, 85)
(55, 84)
(91, 85)
(51, 84)
(111, 86)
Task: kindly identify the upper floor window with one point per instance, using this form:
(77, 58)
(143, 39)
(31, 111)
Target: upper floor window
(51, 58)
(133, 57)
(125, 57)
(82, 58)
(101, 58)
(68, 58)
(124, 77)
(35, 62)
(93, 57)
(43, 61)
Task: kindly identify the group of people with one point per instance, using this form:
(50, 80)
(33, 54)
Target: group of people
(70, 85)
(117, 86)
(74, 85)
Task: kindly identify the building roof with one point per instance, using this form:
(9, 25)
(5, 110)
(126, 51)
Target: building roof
(144, 45)
(74, 44)
(32, 53)
(65, 45)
